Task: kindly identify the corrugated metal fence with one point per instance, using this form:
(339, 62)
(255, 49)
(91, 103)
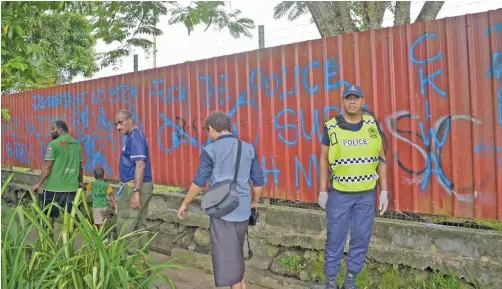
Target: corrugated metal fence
(434, 86)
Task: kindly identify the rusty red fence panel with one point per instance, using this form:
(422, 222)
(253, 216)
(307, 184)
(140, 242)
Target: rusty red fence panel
(434, 86)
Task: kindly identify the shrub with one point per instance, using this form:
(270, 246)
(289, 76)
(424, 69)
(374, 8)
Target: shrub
(37, 255)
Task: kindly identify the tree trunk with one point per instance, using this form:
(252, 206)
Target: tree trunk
(334, 17)
(402, 13)
(345, 17)
(373, 13)
(430, 10)
(326, 18)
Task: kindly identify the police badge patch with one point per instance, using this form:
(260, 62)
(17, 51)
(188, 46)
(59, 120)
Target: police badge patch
(373, 132)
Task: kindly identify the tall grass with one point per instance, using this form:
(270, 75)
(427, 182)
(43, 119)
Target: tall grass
(38, 255)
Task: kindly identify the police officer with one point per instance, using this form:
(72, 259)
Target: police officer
(353, 160)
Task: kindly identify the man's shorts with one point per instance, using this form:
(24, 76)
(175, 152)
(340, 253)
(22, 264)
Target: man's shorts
(98, 214)
(63, 199)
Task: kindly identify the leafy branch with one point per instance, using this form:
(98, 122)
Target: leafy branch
(38, 55)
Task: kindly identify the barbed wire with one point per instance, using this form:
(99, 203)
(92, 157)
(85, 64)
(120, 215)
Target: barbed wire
(273, 37)
(272, 40)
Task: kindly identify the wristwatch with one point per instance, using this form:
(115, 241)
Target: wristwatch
(135, 190)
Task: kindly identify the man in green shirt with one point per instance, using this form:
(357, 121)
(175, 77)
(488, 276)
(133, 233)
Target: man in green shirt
(62, 173)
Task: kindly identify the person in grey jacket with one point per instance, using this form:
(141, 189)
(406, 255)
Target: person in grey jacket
(218, 161)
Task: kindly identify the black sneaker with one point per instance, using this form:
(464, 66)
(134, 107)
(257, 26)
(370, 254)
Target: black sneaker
(331, 282)
(350, 281)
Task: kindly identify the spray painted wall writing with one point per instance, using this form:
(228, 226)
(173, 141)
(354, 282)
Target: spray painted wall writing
(440, 119)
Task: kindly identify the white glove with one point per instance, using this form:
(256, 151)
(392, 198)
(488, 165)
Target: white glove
(323, 199)
(384, 202)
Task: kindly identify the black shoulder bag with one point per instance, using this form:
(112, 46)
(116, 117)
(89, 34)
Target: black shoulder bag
(221, 198)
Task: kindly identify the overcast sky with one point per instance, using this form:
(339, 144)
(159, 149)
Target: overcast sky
(175, 46)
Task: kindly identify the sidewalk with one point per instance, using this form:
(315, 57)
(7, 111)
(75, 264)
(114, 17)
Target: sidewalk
(189, 278)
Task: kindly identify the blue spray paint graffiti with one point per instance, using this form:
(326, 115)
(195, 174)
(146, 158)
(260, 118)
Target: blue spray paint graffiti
(175, 93)
(438, 144)
(291, 128)
(273, 82)
(94, 156)
(308, 177)
(480, 148)
(93, 139)
(433, 141)
(210, 90)
(123, 92)
(434, 138)
(135, 116)
(12, 128)
(217, 93)
(176, 131)
(272, 170)
(496, 70)
(19, 151)
(59, 99)
(291, 124)
(98, 96)
(427, 79)
(178, 136)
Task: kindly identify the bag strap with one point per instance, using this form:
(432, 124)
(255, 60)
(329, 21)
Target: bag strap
(237, 164)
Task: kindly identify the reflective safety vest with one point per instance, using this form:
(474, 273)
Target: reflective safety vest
(354, 155)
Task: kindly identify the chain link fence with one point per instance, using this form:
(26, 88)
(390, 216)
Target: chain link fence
(438, 220)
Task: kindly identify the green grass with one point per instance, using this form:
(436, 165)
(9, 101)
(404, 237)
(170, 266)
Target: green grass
(385, 276)
(20, 169)
(166, 189)
(493, 224)
(389, 277)
(291, 263)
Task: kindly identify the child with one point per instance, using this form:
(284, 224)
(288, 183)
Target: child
(100, 189)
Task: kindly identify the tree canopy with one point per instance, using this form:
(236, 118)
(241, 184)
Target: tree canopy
(339, 17)
(45, 42)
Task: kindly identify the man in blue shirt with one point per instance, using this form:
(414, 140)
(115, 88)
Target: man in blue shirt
(218, 162)
(136, 176)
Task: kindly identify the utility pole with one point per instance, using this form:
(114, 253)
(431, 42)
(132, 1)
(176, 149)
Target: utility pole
(261, 44)
(135, 63)
(60, 77)
(261, 36)
(155, 49)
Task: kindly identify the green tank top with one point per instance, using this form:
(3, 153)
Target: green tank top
(99, 191)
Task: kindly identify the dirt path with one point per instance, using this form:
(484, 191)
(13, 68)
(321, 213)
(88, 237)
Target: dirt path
(182, 278)
(189, 278)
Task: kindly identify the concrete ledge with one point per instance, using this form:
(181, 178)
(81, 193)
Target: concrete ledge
(486, 272)
(253, 276)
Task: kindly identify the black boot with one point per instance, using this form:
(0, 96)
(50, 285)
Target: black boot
(350, 281)
(331, 282)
